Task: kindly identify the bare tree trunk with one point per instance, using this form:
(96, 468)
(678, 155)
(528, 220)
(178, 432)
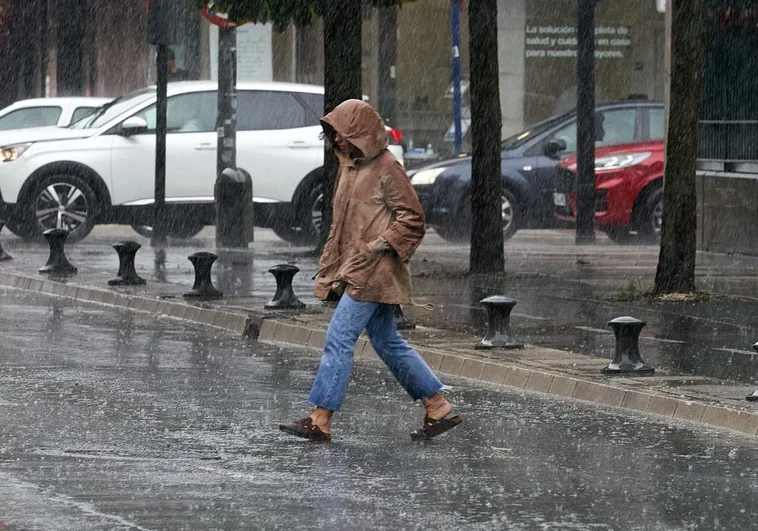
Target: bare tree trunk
(342, 79)
(487, 254)
(676, 263)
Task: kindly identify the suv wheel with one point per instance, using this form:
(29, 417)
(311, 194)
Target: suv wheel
(58, 202)
(308, 219)
(511, 214)
(651, 217)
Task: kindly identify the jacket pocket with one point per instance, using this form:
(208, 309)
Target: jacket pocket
(359, 268)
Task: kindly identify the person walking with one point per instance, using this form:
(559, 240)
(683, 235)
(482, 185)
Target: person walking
(377, 224)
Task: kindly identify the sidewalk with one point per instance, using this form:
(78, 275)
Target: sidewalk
(566, 296)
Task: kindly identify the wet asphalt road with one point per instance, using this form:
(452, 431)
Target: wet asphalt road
(112, 420)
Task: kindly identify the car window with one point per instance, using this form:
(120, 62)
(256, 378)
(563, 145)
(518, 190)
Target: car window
(80, 113)
(266, 111)
(657, 118)
(567, 133)
(114, 109)
(186, 113)
(618, 126)
(518, 140)
(315, 104)
(30, 117)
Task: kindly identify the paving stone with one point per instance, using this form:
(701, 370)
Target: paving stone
(563, 386)
(662, 405)
(539, 381)
(689, 411)
(451, 364)
(472, 368)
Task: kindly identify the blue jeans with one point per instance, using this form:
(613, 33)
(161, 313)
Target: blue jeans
(348, 321)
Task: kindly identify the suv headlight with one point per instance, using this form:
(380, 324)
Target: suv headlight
(426, 176)
(11, 153)
(620, 161)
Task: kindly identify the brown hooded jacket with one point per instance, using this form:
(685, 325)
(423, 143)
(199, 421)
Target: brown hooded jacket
(374, 198)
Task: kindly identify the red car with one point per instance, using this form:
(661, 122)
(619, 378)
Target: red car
(628, 188)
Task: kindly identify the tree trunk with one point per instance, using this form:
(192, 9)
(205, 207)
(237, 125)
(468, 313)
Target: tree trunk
(676, 263)
(342, 79)
(487, 255)
(585, 124)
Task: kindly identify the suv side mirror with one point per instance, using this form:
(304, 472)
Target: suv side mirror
(133, 126)
(551, 148)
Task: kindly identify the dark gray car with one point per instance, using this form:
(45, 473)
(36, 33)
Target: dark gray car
(528, 167)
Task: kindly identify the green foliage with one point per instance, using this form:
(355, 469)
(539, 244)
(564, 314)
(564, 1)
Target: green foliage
(279, 12)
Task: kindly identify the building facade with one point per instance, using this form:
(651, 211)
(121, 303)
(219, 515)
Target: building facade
(100, 48)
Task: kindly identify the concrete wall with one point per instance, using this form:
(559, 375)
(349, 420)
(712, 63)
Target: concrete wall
(728, 213)
(511, 37)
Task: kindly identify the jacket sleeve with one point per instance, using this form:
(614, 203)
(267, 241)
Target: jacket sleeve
(407, 230)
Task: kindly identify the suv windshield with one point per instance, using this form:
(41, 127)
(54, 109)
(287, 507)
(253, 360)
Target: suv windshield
(113, 109)
(523, 137)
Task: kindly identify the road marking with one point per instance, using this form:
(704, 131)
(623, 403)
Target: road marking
(527, 316)
(674, 341)
(590, 329)
(735, 351)
(49, 495)
(608, 332)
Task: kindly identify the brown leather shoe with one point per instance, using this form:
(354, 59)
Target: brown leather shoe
(306, 429)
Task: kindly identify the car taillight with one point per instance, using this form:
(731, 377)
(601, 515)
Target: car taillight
(396, 135)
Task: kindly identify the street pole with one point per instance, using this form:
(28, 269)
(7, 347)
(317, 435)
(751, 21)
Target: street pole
(585, 124)
(227, 234)
(159, 207)
(456, 30)
(387, 62)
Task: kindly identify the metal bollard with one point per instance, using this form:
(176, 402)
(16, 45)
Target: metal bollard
(57, 263)
(401, 321)
(627, 360)
(3, 255)
(234, 208)
(127, 274)
(203, 288)
(499, 324)
(754, 396)
(284, 298)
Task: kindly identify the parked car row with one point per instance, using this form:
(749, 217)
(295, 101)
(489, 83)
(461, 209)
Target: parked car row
(100, 168)
(530, 172)
(75, 162)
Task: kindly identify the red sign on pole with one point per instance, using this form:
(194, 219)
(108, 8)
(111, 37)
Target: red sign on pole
(218, 19)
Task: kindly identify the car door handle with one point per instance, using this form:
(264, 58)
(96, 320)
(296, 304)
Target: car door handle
(206, 146)
(298, 145)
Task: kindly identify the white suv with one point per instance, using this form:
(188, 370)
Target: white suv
(102, 169)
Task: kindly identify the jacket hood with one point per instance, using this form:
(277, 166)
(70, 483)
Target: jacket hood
(358, 123)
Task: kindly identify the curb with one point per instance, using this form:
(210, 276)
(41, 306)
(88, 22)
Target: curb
(266, 328)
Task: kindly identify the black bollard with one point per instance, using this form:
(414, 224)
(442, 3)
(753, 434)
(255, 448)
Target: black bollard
(127, 274)
(753, 397)
(57, 264)
(203, 288)
(3, 255)
(499, 324)
(284, 298)
(627, 360)
(401, 321)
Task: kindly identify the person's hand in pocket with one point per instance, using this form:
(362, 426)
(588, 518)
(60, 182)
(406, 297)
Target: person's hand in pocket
(380, 245)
